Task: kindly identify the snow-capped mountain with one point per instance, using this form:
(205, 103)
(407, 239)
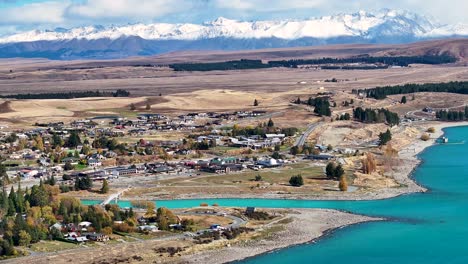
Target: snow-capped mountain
(386, 26)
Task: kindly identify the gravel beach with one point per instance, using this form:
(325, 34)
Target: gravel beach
(307, 225)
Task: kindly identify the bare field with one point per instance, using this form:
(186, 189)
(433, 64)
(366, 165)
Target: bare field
(155, 82)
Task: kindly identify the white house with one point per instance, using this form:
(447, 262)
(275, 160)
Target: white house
(27, 173)
(94, 163)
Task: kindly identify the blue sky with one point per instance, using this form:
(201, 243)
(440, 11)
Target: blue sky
(21, 15)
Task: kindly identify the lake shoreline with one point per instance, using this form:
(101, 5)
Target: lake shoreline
(307, 226)
(402, 174)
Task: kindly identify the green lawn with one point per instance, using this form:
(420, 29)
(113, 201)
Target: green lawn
(52, 246)
(275, 175)
(80, 167)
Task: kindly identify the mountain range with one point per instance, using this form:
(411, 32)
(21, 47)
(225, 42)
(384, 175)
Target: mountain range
(91, 42)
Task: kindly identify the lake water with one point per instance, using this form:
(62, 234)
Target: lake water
(423, 228)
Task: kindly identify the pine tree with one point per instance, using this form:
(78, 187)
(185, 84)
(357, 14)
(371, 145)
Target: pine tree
(105, 187)
(270, 123)
(339, 171)
(255, 102)
(73, 140)
(385, 137)
(330, 170)
(403, 100)
(20, 202)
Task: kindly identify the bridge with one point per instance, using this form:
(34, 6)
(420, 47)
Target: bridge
(114, 196)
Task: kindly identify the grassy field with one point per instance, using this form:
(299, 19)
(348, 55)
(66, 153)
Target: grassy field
(272, 176)
(52, 246)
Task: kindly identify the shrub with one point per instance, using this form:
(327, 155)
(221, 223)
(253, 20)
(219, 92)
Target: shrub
(425, 137)
(431, 130)
(296, 181)
(204, 204)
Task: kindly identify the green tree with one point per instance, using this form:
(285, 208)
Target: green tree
(73, 140)
(276, 155)
(4, 179)
(270, 123)
(57, 141)
(294, 150)
(330, 170)
(403, 100)
(339, 171)
(296, 181)
(105, 187)
(39, 195)
(258, 177)
(384, 138)
(24, 238)
(68, 166)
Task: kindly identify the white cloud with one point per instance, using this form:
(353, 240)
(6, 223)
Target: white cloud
(45, 12)
(143, 9)
(267, 5)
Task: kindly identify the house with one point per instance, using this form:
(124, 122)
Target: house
(94, 162)
(98, 237)
(57, 226)
(216, 227)
(72, 160)
(84, 225)
(269, 163)
(320, 157)
(270, 136)
(79, 239)
(250, 210)
(28, 173)
(121, 171)
(148, 228)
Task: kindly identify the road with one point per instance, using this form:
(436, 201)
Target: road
(302, 139)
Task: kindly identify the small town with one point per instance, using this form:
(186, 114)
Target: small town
(193, 132)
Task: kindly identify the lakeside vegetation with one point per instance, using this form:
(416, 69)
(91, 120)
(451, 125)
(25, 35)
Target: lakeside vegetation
(69, 95)
(384, 61)
(384, 91)
(382, 115)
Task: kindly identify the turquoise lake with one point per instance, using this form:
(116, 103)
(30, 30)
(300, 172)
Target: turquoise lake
(425, 228)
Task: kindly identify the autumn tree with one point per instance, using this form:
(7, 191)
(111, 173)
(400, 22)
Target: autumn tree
(165, 217)
(343, 185)
(39, 143)
(369, 165)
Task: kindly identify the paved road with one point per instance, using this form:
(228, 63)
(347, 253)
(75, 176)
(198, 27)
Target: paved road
(302, 139)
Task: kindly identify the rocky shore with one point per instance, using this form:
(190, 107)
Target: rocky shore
(306, 225)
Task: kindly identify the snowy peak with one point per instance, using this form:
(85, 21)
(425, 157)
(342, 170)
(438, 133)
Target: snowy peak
(360, 24)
